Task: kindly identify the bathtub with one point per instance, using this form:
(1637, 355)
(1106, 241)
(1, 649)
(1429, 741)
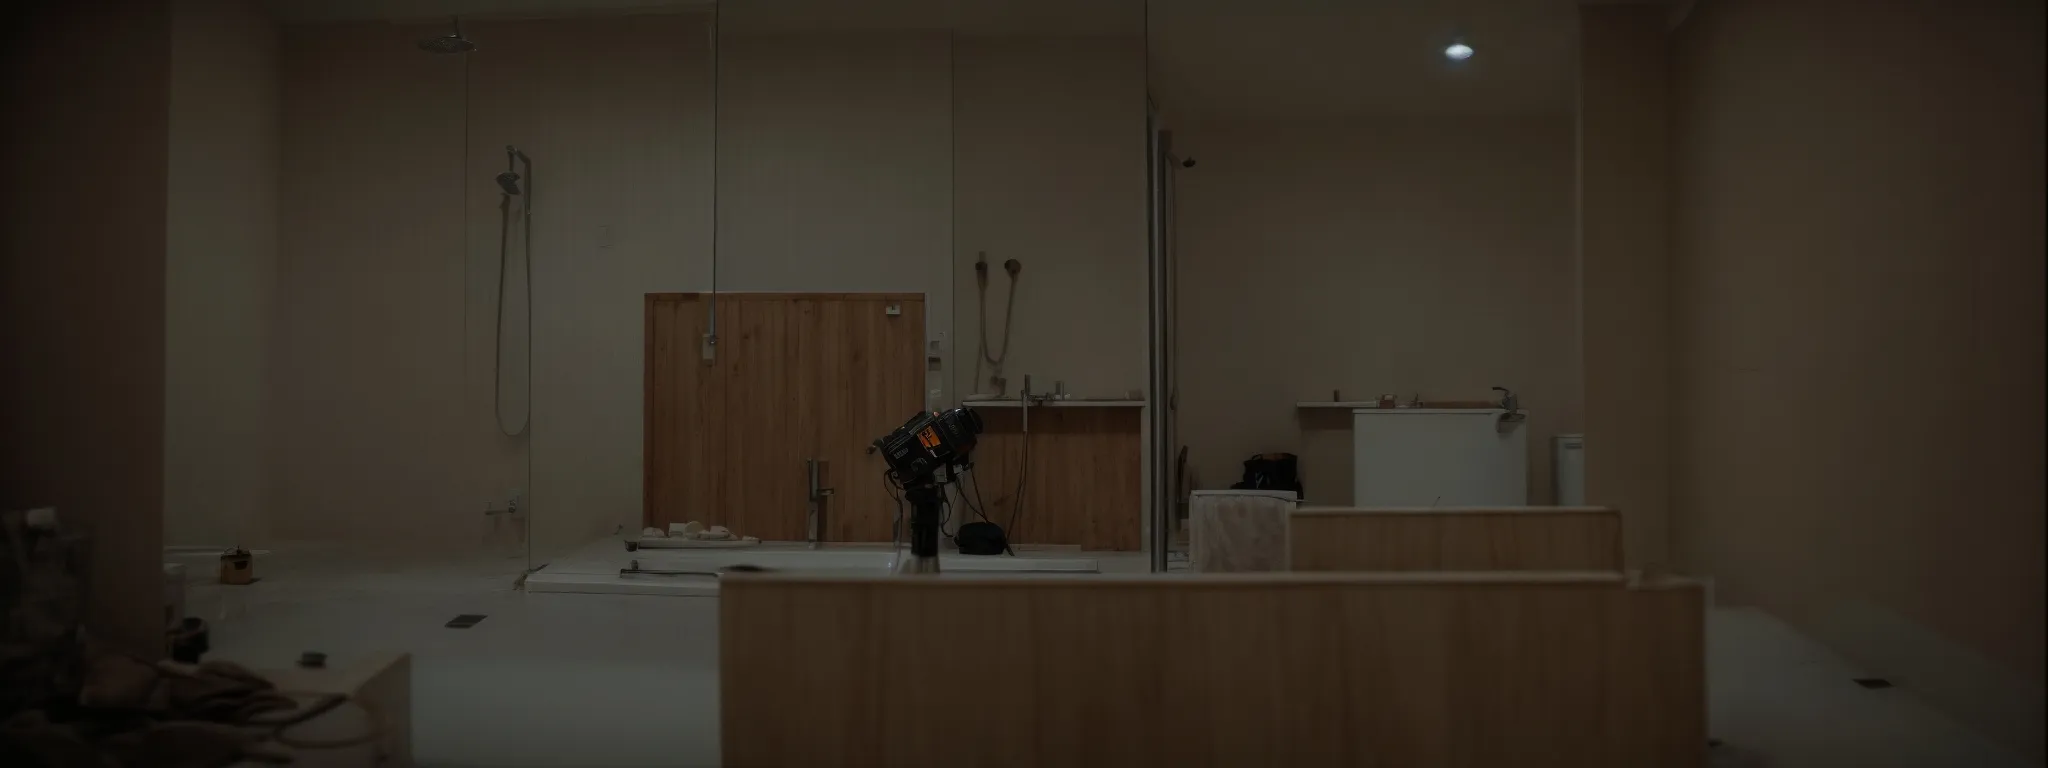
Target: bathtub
(603, 577)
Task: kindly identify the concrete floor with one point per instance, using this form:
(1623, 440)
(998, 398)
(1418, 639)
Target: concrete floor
(609, 681)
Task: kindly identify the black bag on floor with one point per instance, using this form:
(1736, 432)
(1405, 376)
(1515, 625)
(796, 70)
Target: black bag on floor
(1270, 472)
(981, 539)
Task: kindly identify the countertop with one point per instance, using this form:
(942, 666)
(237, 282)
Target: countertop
(1375, 408)
(1071, 403)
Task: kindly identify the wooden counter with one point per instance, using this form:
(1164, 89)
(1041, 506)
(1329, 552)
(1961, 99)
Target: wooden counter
(1083, 484)
(1440, 669)
(1454, 539)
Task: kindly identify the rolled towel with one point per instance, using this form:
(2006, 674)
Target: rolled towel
(653, 533)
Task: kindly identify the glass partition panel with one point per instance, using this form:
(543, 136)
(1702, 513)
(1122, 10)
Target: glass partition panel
(1365, 199)
(1050, 259)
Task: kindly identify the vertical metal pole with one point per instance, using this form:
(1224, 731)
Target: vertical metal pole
(1156, 526)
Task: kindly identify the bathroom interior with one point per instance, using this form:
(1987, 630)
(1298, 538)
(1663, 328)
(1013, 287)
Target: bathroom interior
(549, 351)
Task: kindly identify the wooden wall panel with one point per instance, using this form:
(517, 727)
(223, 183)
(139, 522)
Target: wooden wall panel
(685, 402)
(796, 376)
(1084, 482)
(1272, 669)
(1445, 539)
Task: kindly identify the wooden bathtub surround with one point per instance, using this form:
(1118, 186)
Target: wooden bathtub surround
(1085, 481)
(1455, 539)
(1395, 670)
(795, 376)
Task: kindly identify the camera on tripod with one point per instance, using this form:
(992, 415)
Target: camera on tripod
(915, 452)
(928, 441)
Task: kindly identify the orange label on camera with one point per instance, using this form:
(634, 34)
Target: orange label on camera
(928, 437)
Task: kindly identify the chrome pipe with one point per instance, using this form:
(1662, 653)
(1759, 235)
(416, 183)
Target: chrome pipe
(1155, 526)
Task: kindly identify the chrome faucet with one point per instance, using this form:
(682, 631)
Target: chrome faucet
(815, 523)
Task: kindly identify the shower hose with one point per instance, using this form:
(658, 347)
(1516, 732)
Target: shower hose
(526, 266)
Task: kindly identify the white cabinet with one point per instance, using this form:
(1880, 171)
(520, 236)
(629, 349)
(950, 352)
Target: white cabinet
(1429, 457)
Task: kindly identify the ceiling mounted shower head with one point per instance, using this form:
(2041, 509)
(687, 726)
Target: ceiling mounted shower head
(453, 42)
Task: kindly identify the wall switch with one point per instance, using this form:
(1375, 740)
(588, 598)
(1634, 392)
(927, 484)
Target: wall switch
(604, 236)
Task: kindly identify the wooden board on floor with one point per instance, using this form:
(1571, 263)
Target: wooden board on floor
(794, 377)
(1083, 483)
(1454, 539)
(1537, 670)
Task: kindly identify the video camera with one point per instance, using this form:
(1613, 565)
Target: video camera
(915, 453)
(929, 441)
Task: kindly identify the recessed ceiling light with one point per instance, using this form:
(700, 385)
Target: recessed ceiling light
(1458, 51)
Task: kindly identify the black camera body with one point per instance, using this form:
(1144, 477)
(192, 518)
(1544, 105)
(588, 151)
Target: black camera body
(929, 441)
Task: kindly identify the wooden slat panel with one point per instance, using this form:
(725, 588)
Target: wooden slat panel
(684, 403)
(762, 482)
(1449, 670)
(1084, 480)
(1503, 539)
(796, 376)
(875, 372)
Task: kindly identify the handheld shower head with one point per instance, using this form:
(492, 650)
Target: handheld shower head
(450, 43)
(509, 180)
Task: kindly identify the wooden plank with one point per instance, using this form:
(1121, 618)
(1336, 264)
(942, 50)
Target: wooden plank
(1083, 482)
(875, 372)
(682, 393)
(796, 377)
(762, 477)
(1467, 670)
(1451, 539)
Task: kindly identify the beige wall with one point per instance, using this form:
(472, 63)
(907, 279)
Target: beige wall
(835, 166)
(835, 171)
(220, 270)
(82, 289)
(1623, 265)
(1049, 149)
(377, 433)
(1371, 255)
(1858, 244)
(615, 113)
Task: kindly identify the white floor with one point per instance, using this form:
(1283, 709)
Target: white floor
(595, 568)
(609, 681)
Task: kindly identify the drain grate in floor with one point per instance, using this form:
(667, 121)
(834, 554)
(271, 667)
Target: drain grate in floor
(464, 621)
(1873, 682)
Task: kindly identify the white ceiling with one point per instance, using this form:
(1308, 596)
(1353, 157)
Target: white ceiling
(1304, 58)
(1070, 17)
(1221, 58)
(314, 11)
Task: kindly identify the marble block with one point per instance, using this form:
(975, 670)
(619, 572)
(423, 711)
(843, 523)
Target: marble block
(1236, 531)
